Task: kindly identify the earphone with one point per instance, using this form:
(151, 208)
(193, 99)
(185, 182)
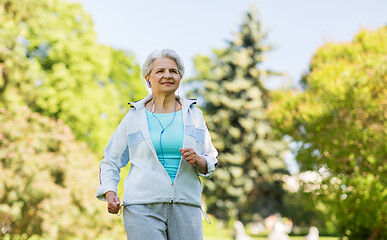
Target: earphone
(162, 160)
(163, 129)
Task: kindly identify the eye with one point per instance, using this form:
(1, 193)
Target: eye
(174, 71)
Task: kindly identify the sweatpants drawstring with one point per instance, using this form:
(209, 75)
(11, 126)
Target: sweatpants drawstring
(121, 209)
(208, 220)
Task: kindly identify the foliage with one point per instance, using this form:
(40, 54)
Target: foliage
(49, 53)
(247, 184)
(71, 88)
(339, 123)
(48, 181)
(302, 215)
(303, 212)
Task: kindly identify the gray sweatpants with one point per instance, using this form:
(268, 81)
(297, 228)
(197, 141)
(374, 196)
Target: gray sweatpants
(161, 221)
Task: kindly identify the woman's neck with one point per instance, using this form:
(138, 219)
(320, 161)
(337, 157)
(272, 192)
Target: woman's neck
(163, 103)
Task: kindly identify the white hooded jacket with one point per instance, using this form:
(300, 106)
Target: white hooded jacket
(148, 181)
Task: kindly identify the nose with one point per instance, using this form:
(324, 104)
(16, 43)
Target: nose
(167, 75)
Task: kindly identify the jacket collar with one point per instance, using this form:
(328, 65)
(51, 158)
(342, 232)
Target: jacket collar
(186, 103)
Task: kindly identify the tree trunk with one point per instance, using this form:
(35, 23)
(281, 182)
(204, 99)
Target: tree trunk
(375, 233)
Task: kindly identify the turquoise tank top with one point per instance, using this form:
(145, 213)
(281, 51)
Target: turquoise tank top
(167, 148)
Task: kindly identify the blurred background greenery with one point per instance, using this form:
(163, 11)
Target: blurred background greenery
(62, 94)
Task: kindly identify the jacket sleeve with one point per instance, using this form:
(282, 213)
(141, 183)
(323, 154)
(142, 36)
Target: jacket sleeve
(210, 153)
(116, 156)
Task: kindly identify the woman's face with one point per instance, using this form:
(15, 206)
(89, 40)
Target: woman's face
(164, 77)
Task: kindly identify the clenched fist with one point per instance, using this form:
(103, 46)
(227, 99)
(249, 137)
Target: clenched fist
(114, 204)
(192, 158)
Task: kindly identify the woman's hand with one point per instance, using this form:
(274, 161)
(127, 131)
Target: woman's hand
(192, 158)
(113, 202)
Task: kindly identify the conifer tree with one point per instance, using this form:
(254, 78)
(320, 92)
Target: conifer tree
(247, 183)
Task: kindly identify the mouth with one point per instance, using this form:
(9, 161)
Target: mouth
(167, 83)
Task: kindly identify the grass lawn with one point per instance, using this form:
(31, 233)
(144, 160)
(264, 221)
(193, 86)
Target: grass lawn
(294, 238)
(227, 237)
(215, 231)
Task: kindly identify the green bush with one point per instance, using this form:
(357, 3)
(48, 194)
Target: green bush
(48, 181)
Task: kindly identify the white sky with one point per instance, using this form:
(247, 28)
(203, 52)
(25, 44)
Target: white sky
(295, 28)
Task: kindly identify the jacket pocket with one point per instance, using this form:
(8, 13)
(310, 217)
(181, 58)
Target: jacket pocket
(135, 138)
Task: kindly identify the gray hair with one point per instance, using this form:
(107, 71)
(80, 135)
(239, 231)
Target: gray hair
(164, 53)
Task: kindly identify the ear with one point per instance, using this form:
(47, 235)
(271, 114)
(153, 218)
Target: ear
(147, 81)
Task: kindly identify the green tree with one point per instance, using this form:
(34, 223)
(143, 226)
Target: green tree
(47, 181)
(49, 55)
(51, 64)
(339, 122)
(247, 184)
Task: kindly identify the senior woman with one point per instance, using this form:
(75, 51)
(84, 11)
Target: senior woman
(166, 141)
